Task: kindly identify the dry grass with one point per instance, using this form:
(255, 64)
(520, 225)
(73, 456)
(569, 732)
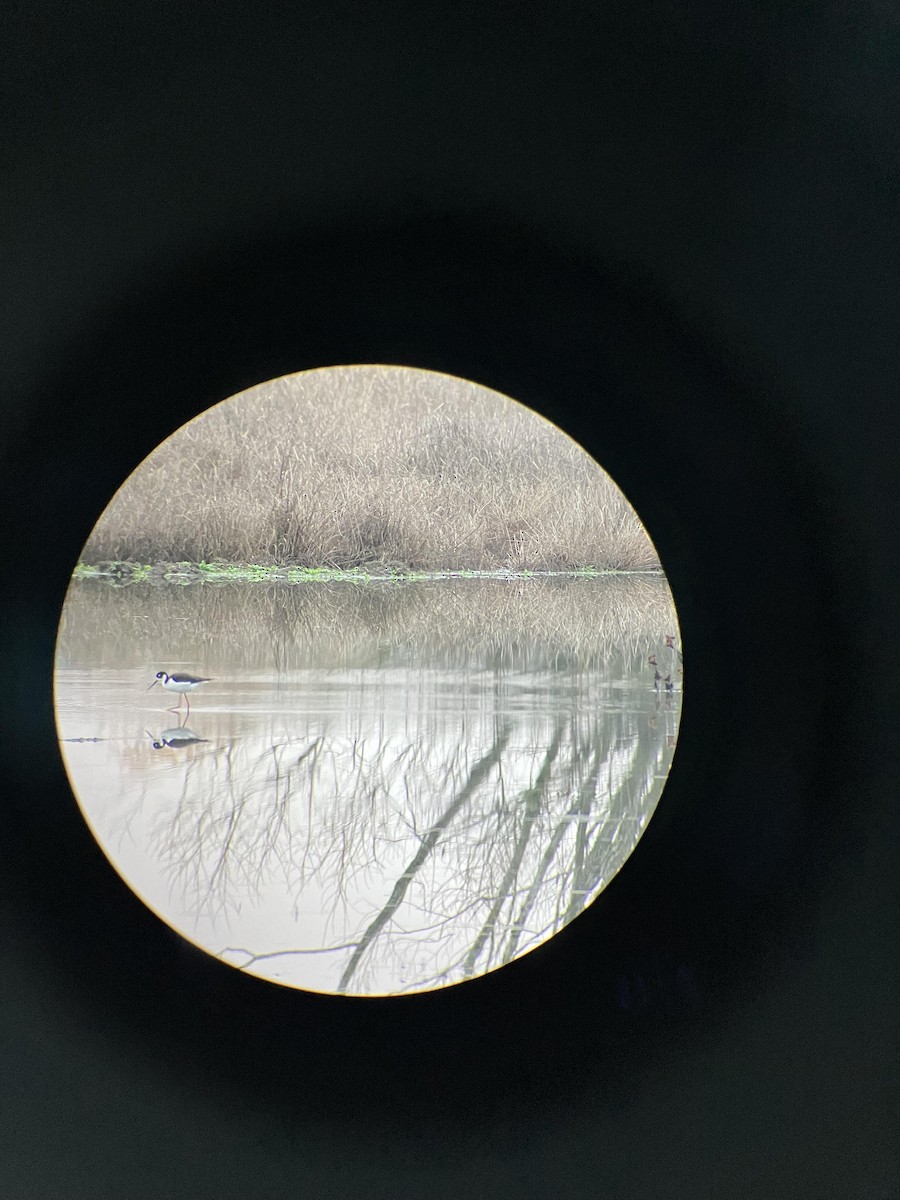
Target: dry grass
(372, 466)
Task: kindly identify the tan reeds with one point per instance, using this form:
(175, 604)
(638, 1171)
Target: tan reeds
(372, 466)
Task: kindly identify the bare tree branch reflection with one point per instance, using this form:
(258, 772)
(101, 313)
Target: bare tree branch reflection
(480, 772)
(533, 798)
(475, 864)
(580, 808)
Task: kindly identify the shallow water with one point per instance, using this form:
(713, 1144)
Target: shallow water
(348, 809)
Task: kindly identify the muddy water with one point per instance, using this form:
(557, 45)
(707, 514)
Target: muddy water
(373, 794)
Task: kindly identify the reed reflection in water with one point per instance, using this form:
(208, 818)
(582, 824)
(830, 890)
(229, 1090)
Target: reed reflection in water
(367, 808)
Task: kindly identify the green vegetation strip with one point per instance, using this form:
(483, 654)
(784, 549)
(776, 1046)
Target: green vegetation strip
(123, 573)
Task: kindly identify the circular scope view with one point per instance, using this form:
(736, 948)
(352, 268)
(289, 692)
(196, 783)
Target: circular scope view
(368, 680)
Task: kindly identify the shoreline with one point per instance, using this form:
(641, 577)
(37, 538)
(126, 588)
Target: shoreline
(183, 573)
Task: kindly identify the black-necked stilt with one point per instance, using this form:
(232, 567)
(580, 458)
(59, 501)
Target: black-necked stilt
(175, 738)
(180, 683)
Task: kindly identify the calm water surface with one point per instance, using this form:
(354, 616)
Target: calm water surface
(377, 793)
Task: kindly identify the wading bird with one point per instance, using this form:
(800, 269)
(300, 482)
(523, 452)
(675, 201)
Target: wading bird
(677, 657)
(656, 678)
(670, 643)
(179, 683)
(656, 675)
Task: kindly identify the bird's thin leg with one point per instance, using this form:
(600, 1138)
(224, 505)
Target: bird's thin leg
(187, 701)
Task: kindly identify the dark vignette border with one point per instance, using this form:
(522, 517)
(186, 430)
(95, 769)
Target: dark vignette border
(724, 880)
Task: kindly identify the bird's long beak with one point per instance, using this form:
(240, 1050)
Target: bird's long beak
(153, 684)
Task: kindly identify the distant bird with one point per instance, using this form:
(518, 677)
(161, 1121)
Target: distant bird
(670, 686)
(179, 683)
(656, 675)
(670, 643)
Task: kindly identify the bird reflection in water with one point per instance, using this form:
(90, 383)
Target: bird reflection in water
(175, 739)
